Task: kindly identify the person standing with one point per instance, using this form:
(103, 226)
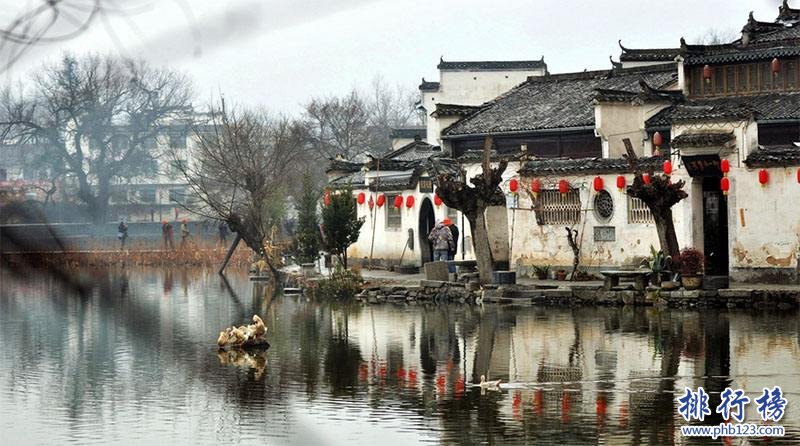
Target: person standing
(184, 233)
(122, 234)
(441, 238)
(166, 235)
(451, 253)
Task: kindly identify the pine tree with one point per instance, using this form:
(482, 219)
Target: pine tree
(340, 223)
(308, 237)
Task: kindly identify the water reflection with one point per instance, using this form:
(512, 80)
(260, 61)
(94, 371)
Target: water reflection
(135, 359)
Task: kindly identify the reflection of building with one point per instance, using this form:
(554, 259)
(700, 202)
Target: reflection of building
(702, 107)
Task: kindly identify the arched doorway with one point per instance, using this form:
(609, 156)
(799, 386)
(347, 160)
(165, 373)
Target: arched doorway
(427, 219)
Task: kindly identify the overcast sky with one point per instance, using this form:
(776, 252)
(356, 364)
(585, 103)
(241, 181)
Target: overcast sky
(278, 53)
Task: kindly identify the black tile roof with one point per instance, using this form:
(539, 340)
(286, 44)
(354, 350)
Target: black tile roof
(585, 166)
(340, 165)
(645, 94)
(428, 86)
(774, 156)
(707, 139)
(415, 150)
(766, 107)
(787, 14)
(556, 101)
(493, 65)
(648, 54)
(454, 110)
(408, 133)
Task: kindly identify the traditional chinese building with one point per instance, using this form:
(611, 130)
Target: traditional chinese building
(726, 117)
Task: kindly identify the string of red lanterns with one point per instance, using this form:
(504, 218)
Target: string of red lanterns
(563, 187)
(410, 202)
(513, 185)
(620, 182)
(725, 185)
(381, 200)
(361, 198)
(398, 201)
(725, 167)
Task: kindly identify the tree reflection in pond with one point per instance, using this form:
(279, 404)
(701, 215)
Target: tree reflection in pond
(137, 356)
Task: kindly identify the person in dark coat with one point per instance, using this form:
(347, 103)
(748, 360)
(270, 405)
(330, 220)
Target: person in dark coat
(122, 234)
(451, 253)
(166, 235)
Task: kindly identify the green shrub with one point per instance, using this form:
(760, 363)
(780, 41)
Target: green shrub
(342, 284)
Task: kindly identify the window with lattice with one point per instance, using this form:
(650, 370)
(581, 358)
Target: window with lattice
(553, 208)
(638, 212)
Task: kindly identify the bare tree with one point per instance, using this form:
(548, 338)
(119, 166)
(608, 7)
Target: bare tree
(359, 121)
(473, 201)
(238, 172)
(718, 36)
(97, 117)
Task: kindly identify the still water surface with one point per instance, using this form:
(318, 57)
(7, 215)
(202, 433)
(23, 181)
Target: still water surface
(134, 361)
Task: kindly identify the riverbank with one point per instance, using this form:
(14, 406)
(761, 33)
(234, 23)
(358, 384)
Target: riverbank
(385, 286)
(208, 257)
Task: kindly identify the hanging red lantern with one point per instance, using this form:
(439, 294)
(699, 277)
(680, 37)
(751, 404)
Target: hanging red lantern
(513, 185)
(776, 66)
(725, 167)
(598, 184)
(798, 174)
(658, 139)
(371, 203)
(327, 198)
(646, 178)
(620, 182)
(707, 73)
(381, 200)
(763, 177)
(410, 201)
(667, 167)
(536, 187)
(398, 201)
(725, 185)
(361, 198)
(563, 187)
(436, 200)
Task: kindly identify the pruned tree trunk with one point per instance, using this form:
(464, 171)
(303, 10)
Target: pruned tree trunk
(572, 239)
(659, 195)
(473, 200)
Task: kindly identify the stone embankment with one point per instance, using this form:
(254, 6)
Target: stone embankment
(581, 295)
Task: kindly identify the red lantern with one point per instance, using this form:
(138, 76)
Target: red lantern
(598, 184)
(667, 167)
(563, 187)
(410, 201)
(327, 198)
(371, 203)
(361, 198)
(513, 185)
(646, 178)
(658, 139)
(725, 185)
(763, 177)
(798, 175)
(707, 73)
(776, 66)
(398, 201)
(436, 200)
(620, 182)
(725, 167)
(381, 200)
(536, 187)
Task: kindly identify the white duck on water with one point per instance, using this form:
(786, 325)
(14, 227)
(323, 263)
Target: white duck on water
(491, 385)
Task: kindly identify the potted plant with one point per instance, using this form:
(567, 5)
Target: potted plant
(691, 267)
(541, 272)
(561, 274)
(659, 264)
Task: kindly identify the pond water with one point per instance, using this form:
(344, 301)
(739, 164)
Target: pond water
(134, 360)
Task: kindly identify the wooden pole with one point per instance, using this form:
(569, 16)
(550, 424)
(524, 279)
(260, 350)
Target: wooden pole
(377, 190)
(230, 253)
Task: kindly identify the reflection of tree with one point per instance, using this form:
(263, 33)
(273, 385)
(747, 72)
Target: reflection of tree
(341, 365)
